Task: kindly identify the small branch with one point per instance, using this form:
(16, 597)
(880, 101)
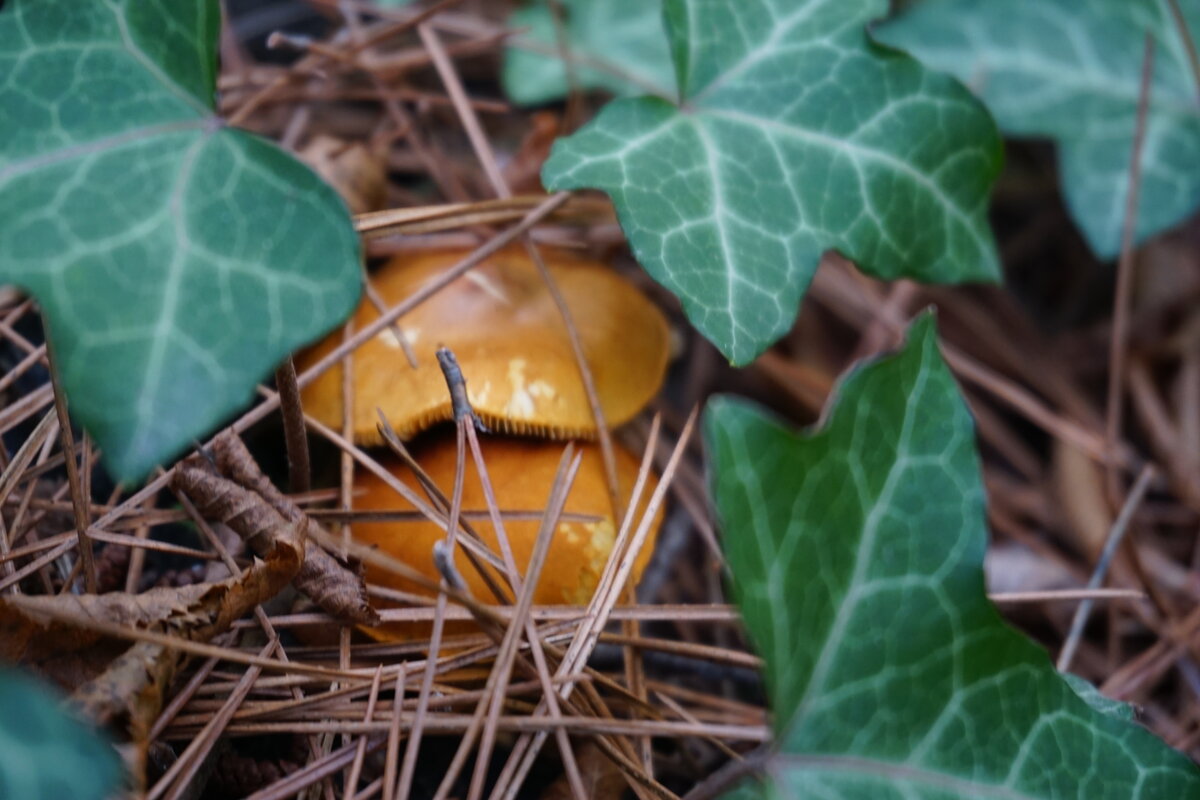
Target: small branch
(295, 438)
(1066, 595)
(408, 768)
(374, 299)
(460, 404)
(351, 782)
(79, 503)
(443, 561)
(1116, 366)
(1110, 549)
(392, 757)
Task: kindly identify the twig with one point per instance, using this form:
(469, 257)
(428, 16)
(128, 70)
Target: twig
(317, 770)
(616, 573)
(393, 740)
(16, 466)
(567, 468)
(34, 566)
(307, 64)
(373, 297)
(181, 772)
(729, 775)
(1110, 548)
(260, 615)
(1066, 595)
(413, 747)
(1120, 329)
(78, 502)
(361, 750)
(545, 678)
(181, 699)
(16, 413)
(457, 723)
(460, 404)
(295, 438)
(346, 460)
(101, 626)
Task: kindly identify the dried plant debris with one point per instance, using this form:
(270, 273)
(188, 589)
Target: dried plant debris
(257, 668)
(128, 694)
(337, 587)
(354, 169)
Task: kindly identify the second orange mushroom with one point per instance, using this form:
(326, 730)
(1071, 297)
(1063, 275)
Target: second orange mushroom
(522, 380)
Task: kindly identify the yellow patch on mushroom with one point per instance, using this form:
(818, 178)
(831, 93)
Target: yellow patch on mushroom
(520, 403)
(389, 338)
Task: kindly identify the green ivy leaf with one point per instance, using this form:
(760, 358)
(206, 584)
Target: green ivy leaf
(796, 135)
(625, 36)
(1070, 70)
(45, 754)
(175, 260)
(857, 559)
(1091, 695)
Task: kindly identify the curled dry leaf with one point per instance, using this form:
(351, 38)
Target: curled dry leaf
(1079, 486)
(54, 631)
(335, 586)
(274, 537)
(128, 696)
(357, 171)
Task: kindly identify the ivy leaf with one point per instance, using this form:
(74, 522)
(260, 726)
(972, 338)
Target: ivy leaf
(175, 260)
(796, 135)
(625, 37)
(1070, 70)
(45, 754)
(857, 559)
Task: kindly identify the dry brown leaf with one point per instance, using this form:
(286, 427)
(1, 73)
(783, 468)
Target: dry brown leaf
(358, 173)
(52, 633)
(1079, 486)
(336, 587)
(34, 628)
(128, 697)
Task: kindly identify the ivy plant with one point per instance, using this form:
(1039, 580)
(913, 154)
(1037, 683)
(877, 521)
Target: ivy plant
(857, 559)
(1070, 70)
(794, 134)
(176, 260)
(45, 753)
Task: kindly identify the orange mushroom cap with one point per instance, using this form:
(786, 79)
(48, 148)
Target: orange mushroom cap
(502, 324)
(522, 473)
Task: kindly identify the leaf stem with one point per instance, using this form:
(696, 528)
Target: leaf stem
(1110, 549)
(79, 503)
(1117, 354)
(294, 436)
